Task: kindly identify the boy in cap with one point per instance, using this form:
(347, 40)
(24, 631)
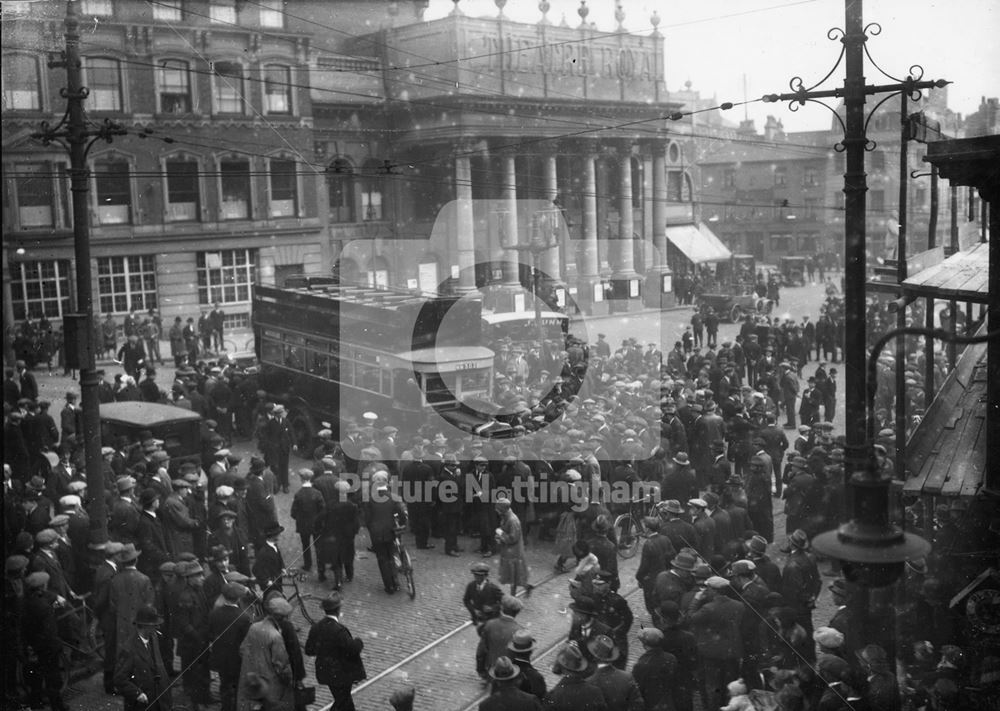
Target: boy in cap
(717, 624)
(654, 671)
(496, 634)
(482, 597)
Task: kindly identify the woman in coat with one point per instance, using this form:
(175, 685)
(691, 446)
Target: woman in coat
(265, 658)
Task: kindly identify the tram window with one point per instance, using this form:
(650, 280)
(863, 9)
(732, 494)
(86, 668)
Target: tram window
(367, 377)
(436, 390)
(293, 358)
(270, 350)
(475, 380)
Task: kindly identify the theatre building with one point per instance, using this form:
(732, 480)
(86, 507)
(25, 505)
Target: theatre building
(266, 139)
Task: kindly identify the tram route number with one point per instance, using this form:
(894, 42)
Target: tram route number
(466, 366)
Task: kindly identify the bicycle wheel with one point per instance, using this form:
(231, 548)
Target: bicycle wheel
(304, 609)
(406, 568)
(628, 535)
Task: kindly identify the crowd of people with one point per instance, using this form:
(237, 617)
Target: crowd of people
(194, 547)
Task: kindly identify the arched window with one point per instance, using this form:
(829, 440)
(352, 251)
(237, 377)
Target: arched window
(340, 187)
(22, 89)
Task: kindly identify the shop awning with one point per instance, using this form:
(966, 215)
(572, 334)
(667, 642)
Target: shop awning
(698, 243)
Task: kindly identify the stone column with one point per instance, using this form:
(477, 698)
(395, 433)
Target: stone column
(659, 207)
(625, 263)
(588, 273)
(509, 200)
(465, 225)
(550, 260)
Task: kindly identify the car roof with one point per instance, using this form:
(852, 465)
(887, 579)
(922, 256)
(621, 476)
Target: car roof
(145, 414)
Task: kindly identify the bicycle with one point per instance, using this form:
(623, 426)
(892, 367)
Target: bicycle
(296, 576)
(90, 649)
(629, 527)
(401, 558)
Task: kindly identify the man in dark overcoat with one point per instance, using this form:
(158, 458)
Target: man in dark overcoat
(657, 552)
(227, 626)
(140, 675)
(191, 623)
(338, 654)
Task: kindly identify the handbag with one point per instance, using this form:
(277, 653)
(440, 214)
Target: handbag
(304, 695)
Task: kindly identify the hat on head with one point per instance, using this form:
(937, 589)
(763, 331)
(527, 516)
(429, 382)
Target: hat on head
(125, 483)
(651, 637)
(234, 592)
(504, 670)
(684, 561)
(743, 567)
(570, 659)
(584, 605)
(717, 582)
(828, 637)
(682, 458)
(510, 605)
(148, 496)
(332, 602)
(75, 487)
(652, 523)
(15, 564)
(402, 698)
(224, 491)
(872, 654)
(221, 453)
(673, 506)
(128, 553)
(522, 642)
(698, 503)
(46, 536)
(180, 484)
(59, 520)
(798, 540)
(757, 545)
(168, 567)
(147, 616)
(603, 649)
(274, 530)
(38, 579)
(279, 606)
(702, 571)
(711, 499)
(219, 553)
(190, 569)
(479, 568)
(105, 451)
(36, 484)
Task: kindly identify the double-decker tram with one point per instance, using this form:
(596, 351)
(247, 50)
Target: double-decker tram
(331, 352)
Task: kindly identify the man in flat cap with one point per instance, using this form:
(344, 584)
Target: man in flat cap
(655, 670)
(482, 597)
(128, 590)
(123, 519)
(102, 607)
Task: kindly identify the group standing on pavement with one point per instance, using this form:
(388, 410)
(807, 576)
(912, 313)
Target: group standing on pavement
(194, 547)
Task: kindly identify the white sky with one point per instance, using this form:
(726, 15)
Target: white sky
(713, 43)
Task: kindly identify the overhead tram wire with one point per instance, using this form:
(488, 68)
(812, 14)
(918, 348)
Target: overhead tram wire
(440, 63)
